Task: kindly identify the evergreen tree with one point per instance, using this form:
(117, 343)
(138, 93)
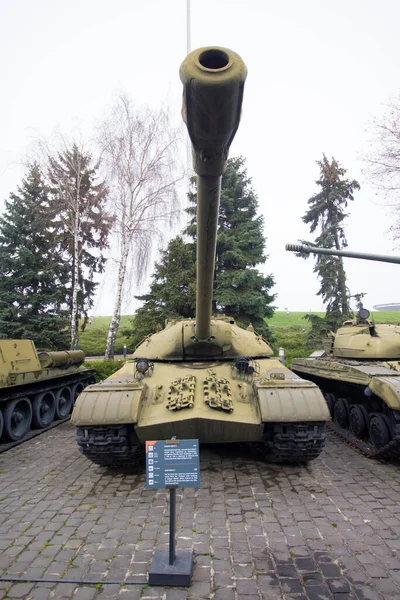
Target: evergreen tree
(81, 226)
(172, 292)
(327, 212)
(32, 274)
(240, 290)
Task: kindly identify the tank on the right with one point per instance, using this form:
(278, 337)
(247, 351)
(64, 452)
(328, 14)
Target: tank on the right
(358, 371)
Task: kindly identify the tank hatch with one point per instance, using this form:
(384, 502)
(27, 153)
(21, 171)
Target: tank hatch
(179, 342)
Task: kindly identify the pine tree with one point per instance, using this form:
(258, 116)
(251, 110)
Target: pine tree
(327, 212)
(240, 290)
(33, 275)
(81, 226)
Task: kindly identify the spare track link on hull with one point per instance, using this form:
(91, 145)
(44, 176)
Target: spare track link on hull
(107, 446)
(294, 442)
(389, 451)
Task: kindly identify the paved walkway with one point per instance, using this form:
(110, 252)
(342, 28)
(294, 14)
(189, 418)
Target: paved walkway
(328, 530)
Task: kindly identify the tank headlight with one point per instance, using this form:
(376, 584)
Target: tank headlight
(245, 366)
(143, 366)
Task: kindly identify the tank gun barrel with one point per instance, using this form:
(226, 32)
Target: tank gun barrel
(346, 253)
(213, 81)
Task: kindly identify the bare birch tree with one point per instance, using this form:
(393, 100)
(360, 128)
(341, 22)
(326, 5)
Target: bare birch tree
(138, 150)
(80, 222)
(383, 159)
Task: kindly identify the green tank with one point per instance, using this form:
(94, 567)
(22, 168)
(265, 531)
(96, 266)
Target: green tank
(358, 370)
(37, 388)
(204, 378)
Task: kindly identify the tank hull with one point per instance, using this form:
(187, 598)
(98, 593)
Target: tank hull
(206, 401)
(363, 398)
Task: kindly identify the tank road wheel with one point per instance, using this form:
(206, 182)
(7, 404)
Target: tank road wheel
(44, 408)
(379, 430)
(76, 390)
(330, 400)
(341, 413)
(63, 402)
(358, 418)
(17, 419)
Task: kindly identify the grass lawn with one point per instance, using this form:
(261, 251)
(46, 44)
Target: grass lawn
(93, 340)
(104, 322)
(296, 319)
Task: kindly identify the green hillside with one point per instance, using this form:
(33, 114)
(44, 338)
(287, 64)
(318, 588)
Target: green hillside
(93, 340)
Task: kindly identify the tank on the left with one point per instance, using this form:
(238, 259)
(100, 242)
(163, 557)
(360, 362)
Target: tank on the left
(37, 388)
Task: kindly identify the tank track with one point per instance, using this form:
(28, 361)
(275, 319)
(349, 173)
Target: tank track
(294, 442)
(113, 445)
(108, 445)
(389, 451)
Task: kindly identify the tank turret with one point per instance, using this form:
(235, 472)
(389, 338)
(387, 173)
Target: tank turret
(204, 378)
(361, 338)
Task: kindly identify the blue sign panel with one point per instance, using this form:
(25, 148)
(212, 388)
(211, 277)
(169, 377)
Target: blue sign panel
(172, 463)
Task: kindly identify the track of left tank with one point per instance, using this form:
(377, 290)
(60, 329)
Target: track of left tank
(76, 382)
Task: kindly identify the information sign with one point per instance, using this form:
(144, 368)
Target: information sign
(172, 463)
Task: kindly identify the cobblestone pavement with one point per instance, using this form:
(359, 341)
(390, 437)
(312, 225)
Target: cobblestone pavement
(328, 530)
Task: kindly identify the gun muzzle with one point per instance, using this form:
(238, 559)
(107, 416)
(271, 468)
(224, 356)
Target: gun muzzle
(213, 81)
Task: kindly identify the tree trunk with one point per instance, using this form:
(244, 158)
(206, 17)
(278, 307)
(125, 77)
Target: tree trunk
(342, 280)
(75, 287)
(116, 317)
(343, 288)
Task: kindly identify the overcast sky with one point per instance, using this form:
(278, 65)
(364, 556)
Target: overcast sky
(318, 73)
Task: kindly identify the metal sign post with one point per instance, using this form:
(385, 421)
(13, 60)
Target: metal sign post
(172, 516)
(172, 464)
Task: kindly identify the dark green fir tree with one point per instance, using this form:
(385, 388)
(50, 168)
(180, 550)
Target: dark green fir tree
(240, 290)
(326, 214)
(33, 276)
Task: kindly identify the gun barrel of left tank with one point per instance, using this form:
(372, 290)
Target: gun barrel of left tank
(213, 81)
(61, 358)
(345, 253)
